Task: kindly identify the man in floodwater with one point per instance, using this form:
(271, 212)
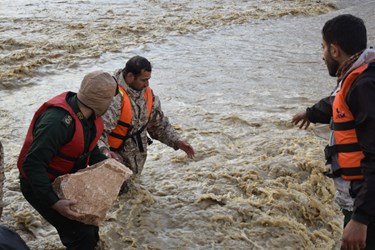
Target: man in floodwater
(350, 110)
(62, 138)
(133, 113)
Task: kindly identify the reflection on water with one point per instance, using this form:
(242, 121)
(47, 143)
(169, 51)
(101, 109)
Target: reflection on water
(256, 182)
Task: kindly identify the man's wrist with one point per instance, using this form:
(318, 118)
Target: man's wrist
(361, 218)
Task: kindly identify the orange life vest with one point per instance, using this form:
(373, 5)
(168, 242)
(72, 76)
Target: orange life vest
(120, 133)
(349, 153)
(69, 153)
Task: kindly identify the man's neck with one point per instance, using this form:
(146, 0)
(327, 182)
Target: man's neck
(86, 111)
(346, 63)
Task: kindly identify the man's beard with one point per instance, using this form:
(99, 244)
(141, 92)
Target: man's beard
(332, 66)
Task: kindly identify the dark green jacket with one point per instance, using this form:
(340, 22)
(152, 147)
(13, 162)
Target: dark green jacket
(52, 130)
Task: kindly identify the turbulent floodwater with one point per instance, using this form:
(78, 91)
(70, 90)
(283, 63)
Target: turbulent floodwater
(35, 33)
(230, 75)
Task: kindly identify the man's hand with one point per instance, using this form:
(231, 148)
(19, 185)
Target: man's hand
(354, 236)
(63, 207)
(187, 148)
(111, 154)
(301, 116)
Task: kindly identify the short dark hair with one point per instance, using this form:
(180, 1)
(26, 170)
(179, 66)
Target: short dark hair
(347, 31)
(135, 65)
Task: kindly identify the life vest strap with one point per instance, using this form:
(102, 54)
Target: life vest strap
(136, 135)
(355, 171)
(138, 139)
(351, 171)
(343, 125)
(124, 124)
(68, 158)
(329, 151)
(84, 157)
(65, 157)
(54, 172)
(118, 136)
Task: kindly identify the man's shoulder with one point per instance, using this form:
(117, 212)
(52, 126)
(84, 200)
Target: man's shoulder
(363, 85)
(67, 120)
(56, 116)
(371, 66)
(368, 75)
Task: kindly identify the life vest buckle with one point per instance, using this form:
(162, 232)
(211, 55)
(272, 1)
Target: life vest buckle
(328, 152)
(149, 140)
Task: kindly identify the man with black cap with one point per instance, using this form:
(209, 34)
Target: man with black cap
(62, 139)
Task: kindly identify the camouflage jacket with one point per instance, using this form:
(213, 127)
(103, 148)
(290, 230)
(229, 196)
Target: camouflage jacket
(158, 127)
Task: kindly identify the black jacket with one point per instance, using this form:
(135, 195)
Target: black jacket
(361, 102)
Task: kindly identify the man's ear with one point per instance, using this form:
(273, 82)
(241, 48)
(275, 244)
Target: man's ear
(129, 77)
(335, 51)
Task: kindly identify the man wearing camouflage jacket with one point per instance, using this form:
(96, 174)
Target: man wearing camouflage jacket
(134, 113)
